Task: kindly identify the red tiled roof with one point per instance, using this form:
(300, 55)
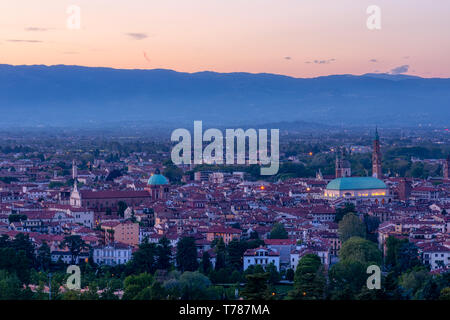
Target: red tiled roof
(110, 194)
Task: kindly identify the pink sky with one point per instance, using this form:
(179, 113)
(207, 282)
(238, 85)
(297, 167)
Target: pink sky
(274, 36)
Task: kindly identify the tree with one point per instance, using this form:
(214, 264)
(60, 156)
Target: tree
(44, 257)
(278, 232)
(134, 285)
(194, 286)
(10, 287)
(413, 281)
(15, 262)
(164, 254)
(351, 226)
(360, 250)
(391, 287)
(235, 252)
(144, 259)
(75, 244)
(430, 290)
(23, 242)
(407, 257)
(121, 207)
(341, 212)
(274, 275)
(392, 246)
(256, 287)
(4, 241)
(17, 218)
(157, 291)
(401, 255)
(445, 294)
(290, 274)
(187, 254)
(113, 175)
(309, 281)
(346, 279)
(173, 173)
(206, 265)
(220, 255)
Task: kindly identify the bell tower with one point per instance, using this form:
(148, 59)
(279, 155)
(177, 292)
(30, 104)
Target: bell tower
(446, 168)
(376, 157)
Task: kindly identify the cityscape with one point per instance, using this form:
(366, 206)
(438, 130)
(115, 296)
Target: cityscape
(140, 227)
(211, 159)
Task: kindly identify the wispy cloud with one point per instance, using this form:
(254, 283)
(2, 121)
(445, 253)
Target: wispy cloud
(35, 29)
(322, 61)
(373, 60)
(24, 40)
(287, 58)
(146, 57)
(137, 35)
(400, 70)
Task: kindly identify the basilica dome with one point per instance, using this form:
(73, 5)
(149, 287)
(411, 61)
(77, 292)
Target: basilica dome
(157, 179)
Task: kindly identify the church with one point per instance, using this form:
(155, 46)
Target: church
(102, 200)
(358, 188)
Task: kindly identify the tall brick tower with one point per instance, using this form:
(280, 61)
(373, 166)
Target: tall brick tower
(447, 168)
(343, 166)
(376, 157)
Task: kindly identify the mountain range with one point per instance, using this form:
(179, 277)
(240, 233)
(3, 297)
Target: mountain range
(63, 95)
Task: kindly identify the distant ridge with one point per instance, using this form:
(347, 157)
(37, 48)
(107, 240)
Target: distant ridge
(74, 95)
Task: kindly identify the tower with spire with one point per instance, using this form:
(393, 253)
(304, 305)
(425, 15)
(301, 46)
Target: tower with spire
(74, 170)
(376, 157)
(343, 167)
(446, 168)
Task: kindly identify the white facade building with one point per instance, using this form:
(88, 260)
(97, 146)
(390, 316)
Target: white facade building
(262, 256)
(112, 254)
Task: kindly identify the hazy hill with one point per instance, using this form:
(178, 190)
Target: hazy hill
(72, 95)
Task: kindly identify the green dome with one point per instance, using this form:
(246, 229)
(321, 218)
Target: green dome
(157, 179)
(356, 183)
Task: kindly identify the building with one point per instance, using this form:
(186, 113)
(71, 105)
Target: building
(376, 157)
(261, 256)
(82, 216)
(283, 246)
(157, 186)
(436, 256)
(103, 200)
(66, 257)
(125, 232)
(112, 254)
(227, 234)
(446, 168)
(200, 176)
(323, 252)
(357, 188)
(404, 189)
(74, 170)
(343, 167)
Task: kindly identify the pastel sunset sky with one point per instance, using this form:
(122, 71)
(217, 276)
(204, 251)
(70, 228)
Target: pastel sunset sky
(301, 38)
